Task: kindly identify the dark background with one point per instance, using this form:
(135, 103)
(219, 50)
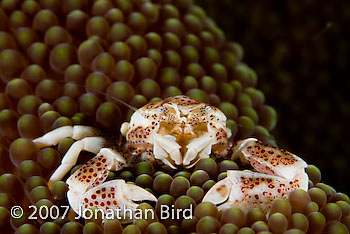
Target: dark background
(301, 52)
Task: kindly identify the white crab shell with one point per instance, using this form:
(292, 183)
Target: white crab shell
(177, 131)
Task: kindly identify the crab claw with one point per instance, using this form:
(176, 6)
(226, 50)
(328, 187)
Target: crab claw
(88, 189)
(115, 195)
(279, 173)
(92, 174)
(247, 189)
(268, 159)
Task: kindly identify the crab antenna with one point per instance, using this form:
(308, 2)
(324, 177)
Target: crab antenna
(102, 93)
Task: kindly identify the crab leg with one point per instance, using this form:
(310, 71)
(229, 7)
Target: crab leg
(55, 136)
(87, 141)
(90, 144)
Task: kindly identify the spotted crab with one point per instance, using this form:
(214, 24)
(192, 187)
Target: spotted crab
(177, 131)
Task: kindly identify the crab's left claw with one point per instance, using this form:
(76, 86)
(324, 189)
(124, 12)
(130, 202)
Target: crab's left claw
(268, 159)
(247, 189)
(219, 193)
(280, 172)
(116, 195)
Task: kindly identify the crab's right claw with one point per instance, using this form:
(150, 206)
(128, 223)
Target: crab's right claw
(115, 195)
(137, 194)
(92, 174)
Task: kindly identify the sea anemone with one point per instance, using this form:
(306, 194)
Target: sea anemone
(79, 62)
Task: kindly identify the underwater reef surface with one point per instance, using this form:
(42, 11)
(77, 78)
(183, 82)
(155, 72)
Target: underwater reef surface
(70, 62)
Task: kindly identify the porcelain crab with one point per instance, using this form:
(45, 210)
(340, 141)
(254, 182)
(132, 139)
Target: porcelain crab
(177, 131)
